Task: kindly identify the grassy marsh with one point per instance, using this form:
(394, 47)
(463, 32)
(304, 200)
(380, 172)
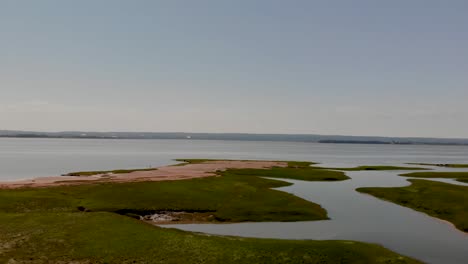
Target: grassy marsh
(376, 168)
(109, 238)
(459, 176)
(295, 173)
(313, 165)
(441, 200)
(234, 198)
(291, 164)
(79, 223)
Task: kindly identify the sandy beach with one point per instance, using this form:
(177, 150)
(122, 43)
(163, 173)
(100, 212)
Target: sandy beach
(165, 173)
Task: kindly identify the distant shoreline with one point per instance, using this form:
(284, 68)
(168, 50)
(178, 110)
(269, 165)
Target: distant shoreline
(330, 139)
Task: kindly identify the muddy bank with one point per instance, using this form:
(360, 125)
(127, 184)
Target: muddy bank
(161, 217)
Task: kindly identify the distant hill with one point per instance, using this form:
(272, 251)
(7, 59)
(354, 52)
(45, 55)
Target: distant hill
(237, 136)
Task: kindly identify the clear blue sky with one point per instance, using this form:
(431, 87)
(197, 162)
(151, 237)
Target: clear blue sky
(390, 68)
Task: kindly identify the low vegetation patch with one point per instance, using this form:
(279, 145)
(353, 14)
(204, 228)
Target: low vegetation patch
(447, 165)
(100, 237)
(376, 168)
(291, 164)
(459, 176)
(299, 164)
(296, 173)
(441, 200)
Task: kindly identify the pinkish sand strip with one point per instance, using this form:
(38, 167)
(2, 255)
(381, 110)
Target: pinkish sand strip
(165, 173)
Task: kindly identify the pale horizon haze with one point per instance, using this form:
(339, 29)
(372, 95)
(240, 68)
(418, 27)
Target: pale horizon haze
(372, 68)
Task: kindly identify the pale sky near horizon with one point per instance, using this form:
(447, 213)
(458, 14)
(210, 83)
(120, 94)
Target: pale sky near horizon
(364, 67)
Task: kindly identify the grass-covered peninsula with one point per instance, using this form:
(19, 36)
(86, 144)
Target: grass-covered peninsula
(101, 237)
(458, 175)
(231, 197)
(290, 164)
(313, 166)
(376, 168)
(441, 200)
(90, 223)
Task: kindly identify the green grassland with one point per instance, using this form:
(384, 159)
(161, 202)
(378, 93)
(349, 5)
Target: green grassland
(441, 200)
(291, 164)
(232, 197)
(459, 176)
(87, 223)
(376, 168)
(296, 170)
(307, 164)
(296, 173)
(101, 237)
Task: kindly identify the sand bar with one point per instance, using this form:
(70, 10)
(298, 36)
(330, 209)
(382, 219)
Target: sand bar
(165, 173)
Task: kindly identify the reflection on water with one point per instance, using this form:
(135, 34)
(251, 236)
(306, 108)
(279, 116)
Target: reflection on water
(356, 216)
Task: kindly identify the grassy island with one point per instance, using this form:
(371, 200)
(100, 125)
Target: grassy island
(459, 176)
(441, 200)
(95, 222)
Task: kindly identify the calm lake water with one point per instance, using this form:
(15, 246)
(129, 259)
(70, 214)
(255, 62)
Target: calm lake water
(26, 158)
(354, 216)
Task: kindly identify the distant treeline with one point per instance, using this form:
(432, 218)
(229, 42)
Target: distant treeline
(334, 139)
(352, 142)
